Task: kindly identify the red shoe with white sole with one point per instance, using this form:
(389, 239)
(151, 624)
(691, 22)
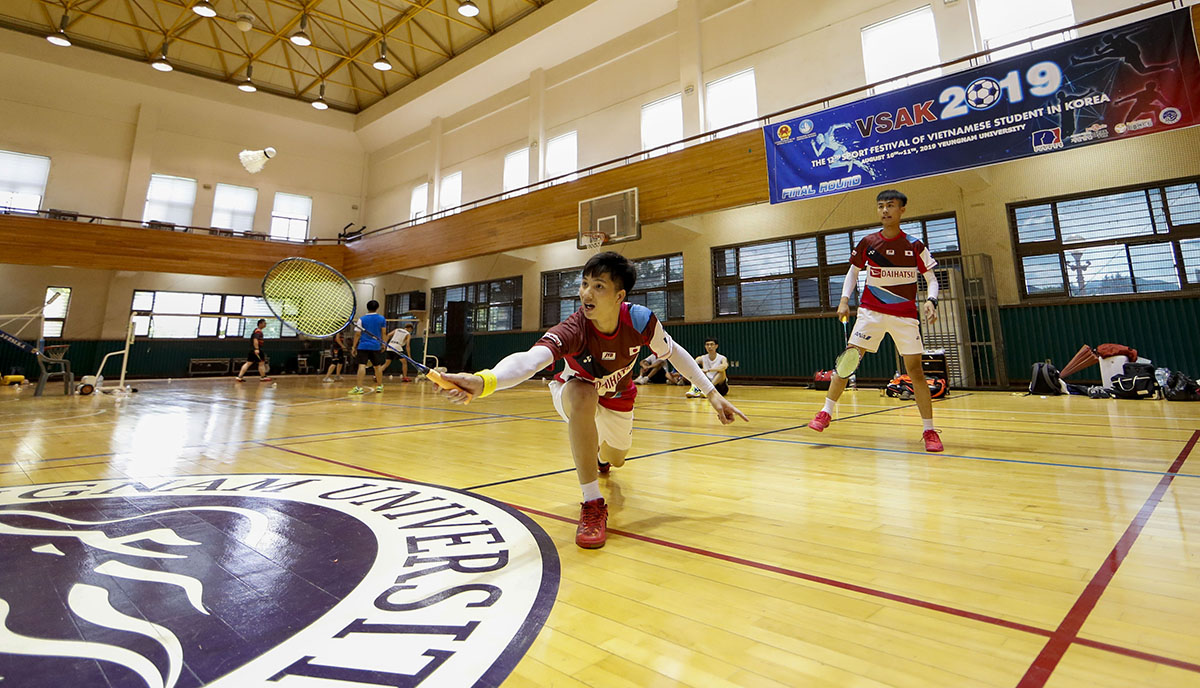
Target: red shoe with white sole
(820, 422)
(933, 443)
(593, 519)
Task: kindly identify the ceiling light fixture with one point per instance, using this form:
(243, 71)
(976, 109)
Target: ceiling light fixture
(248, 86)
(320, 103)
(468, 9)
(382, 63)
(204, 8)
(245, 21)
(161, 63)
(59, 37)
(301, 38)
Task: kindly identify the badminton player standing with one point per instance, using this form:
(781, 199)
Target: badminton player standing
(595, 393)
(256, 355)
(892, 260)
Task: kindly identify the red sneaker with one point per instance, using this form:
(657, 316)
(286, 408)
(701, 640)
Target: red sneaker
(593, 516)
(933, 443)
(406, 379)
(820, 422)
(604, 467)
(264, 379)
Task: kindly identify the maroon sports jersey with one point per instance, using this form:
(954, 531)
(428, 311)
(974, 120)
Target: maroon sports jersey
(891, 268)
(607, 360)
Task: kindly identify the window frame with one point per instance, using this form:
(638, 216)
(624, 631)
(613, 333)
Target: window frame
(574, 173)
(1027, 46)
(275, 215)
(671, 287)
(653, 108)
(898, 82)
(419, 191)
(438, 305)
(168, 205)
(708, 124)
(513, 191)
(824, 271)
(233, 213)
(1175, 234)
(65, 312)
(225, 317)
(445, 208)
(41, 195)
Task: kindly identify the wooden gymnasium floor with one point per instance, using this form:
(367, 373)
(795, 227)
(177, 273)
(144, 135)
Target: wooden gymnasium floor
(1048, 546)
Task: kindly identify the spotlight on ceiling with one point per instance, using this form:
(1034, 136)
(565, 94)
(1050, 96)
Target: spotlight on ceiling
(245, 21)
(161, 63)
(382, 63)
(468, 9)
(59, 37)
(320, 103)
(204, 8)
(301, 38)
(248, 86)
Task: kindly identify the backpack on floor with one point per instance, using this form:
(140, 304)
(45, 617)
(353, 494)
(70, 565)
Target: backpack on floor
(822, 379)
(1180, 387)
(1137, 382)
(902, 387)
(1045, 380)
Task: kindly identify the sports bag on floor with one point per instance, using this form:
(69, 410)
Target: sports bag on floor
(1180, 387)
(1045, 379)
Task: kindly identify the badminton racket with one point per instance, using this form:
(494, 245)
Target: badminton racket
(318, 301)
(847, 361)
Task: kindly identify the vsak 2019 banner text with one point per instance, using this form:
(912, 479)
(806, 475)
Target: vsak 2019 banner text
(1138, 79)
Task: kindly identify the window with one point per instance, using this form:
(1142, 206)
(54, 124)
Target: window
(191, 315)
(805, 274)
(900, 45)
(1005, 21)
(659, 287)
(418, 206)
(516, 172)
(233, 208)
(170, 200)
(662, 123)
(22, 181)
(731, 100)
(54, 313)
(492, 306)
(562, 157)
(451, 191)
(289, 217)
(1128, 241)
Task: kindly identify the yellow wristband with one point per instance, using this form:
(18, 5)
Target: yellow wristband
(489, 382)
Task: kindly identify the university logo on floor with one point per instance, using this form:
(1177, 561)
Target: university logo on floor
(266, 580)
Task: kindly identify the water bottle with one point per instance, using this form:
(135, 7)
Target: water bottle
(1160, 375)
(853, 381)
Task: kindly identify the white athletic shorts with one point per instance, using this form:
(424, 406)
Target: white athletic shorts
(870, 326)
(615, 427)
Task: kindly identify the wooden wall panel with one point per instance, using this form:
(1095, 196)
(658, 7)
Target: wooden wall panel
(721, 174)
(38, 241)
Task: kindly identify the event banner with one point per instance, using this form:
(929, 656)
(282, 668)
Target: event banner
(1141, 78)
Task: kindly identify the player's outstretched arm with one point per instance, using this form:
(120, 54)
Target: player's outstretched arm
(509, 372)
(685, 364)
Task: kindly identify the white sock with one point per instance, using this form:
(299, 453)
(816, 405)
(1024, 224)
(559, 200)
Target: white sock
(591, 491)
(829, 405)
(928, 423)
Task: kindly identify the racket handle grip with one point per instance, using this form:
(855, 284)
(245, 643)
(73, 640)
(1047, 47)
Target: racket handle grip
(446, 384)
(845, 319)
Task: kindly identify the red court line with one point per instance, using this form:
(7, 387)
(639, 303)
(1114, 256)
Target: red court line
(851, 587)
(1068, 631)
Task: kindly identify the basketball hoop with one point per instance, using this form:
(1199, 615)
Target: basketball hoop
(56, 352)
(594, 240)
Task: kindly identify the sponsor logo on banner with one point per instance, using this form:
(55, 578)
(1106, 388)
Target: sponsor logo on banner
(608, 356)
(806, 127)
(784, 132)
(1170, 115)
(1047, 140)
(263, 580)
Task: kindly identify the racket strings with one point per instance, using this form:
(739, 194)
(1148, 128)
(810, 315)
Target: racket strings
(309, 296)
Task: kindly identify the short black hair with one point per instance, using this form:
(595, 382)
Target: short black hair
(892, 195)
(262, 321)
(618, 268)
(713, 340)
(409, 326)
(372, 305)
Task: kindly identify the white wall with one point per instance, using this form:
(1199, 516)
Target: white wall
(82, 110)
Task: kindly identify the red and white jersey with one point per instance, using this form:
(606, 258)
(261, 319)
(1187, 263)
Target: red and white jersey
(607, 360)
(891, 268)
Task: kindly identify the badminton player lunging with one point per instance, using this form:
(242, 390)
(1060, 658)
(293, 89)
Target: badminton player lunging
(595, 392)
(889, 306)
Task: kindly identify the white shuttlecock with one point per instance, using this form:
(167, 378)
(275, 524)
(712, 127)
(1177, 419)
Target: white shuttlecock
(253, 160)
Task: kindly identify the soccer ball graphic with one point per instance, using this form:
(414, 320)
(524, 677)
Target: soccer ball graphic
(983, 93)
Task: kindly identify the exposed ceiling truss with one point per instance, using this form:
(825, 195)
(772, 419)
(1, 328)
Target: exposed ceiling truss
(347, 38)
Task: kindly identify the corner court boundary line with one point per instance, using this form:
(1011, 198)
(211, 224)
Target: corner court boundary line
(1067, 632)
